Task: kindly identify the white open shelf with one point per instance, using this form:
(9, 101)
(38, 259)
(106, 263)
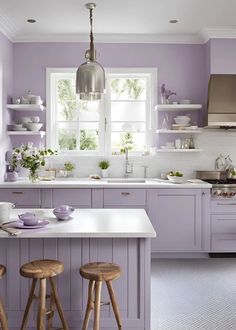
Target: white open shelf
(183, 131)
(178, 150)
(26, 107)
(20, 133)
(176, 107)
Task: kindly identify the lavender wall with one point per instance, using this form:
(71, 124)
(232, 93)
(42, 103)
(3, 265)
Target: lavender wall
(181, 67)
(223, 56)
(6, 90)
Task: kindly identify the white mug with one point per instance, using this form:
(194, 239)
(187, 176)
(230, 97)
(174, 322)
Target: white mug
(5, 209)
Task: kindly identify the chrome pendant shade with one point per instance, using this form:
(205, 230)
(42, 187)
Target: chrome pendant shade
(90, 76)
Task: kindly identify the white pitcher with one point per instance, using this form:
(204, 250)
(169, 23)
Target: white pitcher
(5, 210)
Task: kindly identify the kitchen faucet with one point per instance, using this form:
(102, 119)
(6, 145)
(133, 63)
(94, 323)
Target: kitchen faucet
(128, 165)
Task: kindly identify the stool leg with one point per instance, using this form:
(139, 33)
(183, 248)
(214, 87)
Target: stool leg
(41, 305)
(50, 316)
(28, 305)
(58, 304)
(90, 305)
(3, 317)
(98, 289)
(114, 304)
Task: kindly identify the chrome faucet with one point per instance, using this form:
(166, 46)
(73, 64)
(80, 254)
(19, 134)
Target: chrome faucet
(128, 165)
(145, 167)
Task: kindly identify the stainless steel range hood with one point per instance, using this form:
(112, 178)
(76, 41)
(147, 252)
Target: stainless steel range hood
(221, 103)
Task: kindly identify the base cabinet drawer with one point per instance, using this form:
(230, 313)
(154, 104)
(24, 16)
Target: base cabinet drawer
(74, 197)
(223, 206)
(21, 197)
(223, 223)
(124, 197)
(223, 242)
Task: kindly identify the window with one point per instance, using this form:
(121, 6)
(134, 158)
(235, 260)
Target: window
(122, 119)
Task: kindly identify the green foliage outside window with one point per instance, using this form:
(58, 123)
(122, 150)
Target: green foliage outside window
(88, 140)
(67, 140)
(133, 87)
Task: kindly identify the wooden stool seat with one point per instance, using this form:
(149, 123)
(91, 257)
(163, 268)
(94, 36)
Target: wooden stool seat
(3, 317)
(100, 271)
(96, 273)
(42, 268)
(2, 270)
(40, 271)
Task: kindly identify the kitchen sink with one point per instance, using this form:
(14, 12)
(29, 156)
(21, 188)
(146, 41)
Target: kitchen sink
(126, 180)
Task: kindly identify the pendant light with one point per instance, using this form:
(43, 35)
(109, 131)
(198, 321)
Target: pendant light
(90, 76)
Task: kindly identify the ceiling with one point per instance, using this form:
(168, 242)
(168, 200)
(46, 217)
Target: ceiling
(119, 21)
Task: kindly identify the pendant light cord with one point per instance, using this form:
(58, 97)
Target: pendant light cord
(92, 52)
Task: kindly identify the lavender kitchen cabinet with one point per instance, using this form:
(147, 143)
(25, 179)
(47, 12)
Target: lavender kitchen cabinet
(74, 197)
(223, 225)
(125, 198)
(21, 197)
(177, 218)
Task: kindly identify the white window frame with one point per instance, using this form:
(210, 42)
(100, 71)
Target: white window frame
(104, 139)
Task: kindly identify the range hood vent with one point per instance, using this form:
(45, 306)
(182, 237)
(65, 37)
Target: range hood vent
(221, 102)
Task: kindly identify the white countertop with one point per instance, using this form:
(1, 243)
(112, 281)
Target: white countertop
(99, 223)
(87, 183)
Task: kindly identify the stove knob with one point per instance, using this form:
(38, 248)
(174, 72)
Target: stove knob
(232, 193)
(225, 194)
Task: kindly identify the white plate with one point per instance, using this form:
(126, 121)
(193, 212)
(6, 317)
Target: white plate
(19, 129)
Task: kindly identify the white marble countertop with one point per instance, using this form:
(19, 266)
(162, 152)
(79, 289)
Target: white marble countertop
(87, 183)
(98, 223)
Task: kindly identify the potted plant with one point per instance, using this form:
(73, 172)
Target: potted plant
(32, 159)
(104, 165)
(69, 167)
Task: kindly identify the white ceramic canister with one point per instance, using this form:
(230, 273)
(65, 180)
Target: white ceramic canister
(5, 210)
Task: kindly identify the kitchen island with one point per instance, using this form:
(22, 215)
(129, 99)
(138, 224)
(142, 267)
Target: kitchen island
(121, 236)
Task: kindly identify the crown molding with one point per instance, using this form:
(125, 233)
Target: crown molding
(217, 33)
(114, 38)
(7, 27)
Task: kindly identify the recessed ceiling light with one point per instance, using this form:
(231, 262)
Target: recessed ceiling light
(173, 21)
(31, 20)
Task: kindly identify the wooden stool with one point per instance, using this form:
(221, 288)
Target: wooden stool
(42, 270)
(96, 273)
(3, 317)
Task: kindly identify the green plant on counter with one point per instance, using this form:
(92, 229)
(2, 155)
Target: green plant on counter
(68, 166)
(104, 164)
(30, 158)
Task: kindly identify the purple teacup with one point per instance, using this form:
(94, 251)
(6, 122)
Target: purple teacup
(29, 219)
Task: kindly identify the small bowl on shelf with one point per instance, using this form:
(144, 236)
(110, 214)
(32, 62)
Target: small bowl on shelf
(182, 120)
(175, 179)
(25, 120)
(35, 127)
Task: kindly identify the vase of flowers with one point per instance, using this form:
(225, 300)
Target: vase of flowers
(165, 94)
(31, 159)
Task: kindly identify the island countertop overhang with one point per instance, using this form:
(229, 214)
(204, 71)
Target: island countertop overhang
(90, 223)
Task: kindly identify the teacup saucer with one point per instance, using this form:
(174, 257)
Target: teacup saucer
(19, 224)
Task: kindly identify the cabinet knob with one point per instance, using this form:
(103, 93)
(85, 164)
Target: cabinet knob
(203, 193)
(125, 193)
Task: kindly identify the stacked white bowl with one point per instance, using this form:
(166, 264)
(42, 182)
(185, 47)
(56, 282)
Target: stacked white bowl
(182, 120)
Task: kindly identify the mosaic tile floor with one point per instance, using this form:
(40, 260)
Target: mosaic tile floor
(193, 294)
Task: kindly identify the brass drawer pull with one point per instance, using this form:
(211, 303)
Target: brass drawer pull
(125, 193)
(17, 192)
